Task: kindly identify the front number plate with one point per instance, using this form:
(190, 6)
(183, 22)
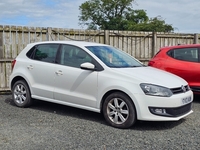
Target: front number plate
(186, 100)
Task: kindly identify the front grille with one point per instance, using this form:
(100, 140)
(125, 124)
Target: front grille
(182, 89)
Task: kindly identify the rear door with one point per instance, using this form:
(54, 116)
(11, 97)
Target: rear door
(73, 84)
(41, 70)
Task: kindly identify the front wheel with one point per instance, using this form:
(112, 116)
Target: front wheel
(21, 94)
(119, 110)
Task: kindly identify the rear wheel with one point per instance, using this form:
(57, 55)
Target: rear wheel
(119, 110)
(21, 94)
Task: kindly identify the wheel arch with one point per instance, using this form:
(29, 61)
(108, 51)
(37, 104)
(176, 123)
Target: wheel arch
(113, 91)
(17, 78)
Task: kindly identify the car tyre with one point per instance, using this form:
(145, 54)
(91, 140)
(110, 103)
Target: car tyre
(119, 110)
(21, 94)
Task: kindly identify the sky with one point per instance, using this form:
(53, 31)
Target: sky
(183, 15)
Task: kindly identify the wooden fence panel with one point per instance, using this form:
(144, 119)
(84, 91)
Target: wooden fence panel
(142, 45)
(5, 70)
(2, 75)
(164, 39)
(20, 39)
(136, 44)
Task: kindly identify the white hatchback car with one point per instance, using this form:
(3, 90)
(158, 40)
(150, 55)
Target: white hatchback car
(98, 78)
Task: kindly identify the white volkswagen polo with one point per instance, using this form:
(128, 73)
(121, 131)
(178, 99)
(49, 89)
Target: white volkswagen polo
(98, 78)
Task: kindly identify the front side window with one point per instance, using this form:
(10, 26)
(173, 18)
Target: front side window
(73, 56)
(114, 57)
(45, 52)
(184, 54)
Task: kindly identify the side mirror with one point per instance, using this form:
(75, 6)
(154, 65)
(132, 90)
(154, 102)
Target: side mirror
(87, 66)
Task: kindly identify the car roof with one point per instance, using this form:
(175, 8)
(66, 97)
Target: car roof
(78, 43)
(180, 46)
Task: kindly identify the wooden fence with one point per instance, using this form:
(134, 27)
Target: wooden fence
(142, 45)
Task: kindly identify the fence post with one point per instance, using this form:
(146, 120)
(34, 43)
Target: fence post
(1, 45)
(106, 37)
(196, 38)
(154, 45)
(48, 34)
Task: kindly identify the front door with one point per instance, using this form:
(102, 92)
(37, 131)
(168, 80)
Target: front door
(73, 84)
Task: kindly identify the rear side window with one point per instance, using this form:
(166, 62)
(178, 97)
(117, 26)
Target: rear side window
(44, 52)
(184, 54)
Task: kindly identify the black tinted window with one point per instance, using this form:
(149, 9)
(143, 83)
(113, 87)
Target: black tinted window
(45, 52)
(185, 54)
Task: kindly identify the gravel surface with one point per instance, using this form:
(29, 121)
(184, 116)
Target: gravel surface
(47, 126)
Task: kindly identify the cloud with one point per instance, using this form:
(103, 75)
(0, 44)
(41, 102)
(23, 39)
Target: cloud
(181, 14)
(40, 13)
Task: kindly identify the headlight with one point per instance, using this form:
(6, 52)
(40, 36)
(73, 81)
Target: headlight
(155, 90)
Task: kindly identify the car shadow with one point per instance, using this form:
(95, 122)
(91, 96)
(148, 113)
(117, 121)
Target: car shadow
(67, 111)
(156, 125)
(196, 98)
(62, 110)
(96, 117)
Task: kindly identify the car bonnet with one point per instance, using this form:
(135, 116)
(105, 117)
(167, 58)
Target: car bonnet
(152, 75)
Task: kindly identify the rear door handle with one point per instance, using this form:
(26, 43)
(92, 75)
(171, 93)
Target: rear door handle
(30, 67)
(59, 72)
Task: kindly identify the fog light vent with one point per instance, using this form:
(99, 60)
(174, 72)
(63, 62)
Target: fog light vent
(171, 112)
(159, 111)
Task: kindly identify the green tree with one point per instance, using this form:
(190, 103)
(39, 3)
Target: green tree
(119, 15)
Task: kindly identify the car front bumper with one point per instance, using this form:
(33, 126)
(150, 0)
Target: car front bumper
(154, 108)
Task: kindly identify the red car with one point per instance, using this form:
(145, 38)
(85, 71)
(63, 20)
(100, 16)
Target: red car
(182, 60)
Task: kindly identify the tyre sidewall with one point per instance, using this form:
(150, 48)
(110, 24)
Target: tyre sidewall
(132, 113)
(28, 100)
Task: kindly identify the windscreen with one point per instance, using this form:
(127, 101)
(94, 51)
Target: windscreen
(114, 57)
